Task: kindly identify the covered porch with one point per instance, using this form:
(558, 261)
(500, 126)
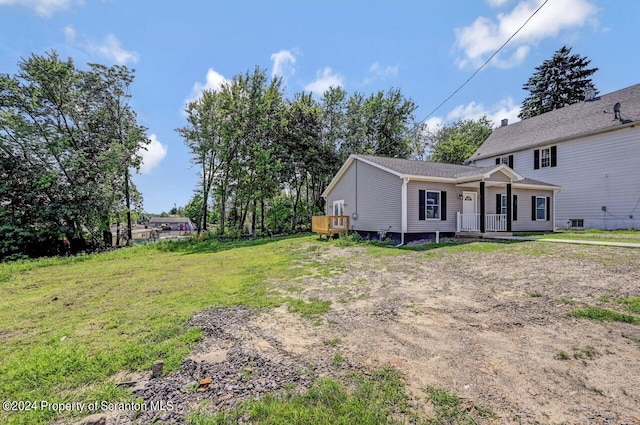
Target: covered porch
(474, 219)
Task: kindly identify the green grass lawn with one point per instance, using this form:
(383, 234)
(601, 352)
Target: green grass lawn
(69, 324)
(631, 236)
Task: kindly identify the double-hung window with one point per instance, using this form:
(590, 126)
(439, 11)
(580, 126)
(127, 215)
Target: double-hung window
(503, 204)
(541, 208)
(433, 205)
(545, 157)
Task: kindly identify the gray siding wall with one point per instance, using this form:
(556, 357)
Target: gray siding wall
(595, 171)
(378, 200)
(499, 177)
(524, 222)
(414, 225)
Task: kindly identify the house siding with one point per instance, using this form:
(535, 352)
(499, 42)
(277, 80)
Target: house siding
(524, 222)
(378, 200)
(415, 225)
(595, 171)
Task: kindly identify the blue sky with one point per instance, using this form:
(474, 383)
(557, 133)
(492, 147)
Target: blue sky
(425, 48)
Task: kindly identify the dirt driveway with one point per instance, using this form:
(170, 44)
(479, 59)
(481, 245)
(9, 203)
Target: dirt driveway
(489, 323)
(486, 321)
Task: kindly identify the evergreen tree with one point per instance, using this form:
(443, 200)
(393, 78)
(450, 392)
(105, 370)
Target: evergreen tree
(562, 80)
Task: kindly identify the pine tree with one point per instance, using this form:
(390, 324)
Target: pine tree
(562, 80)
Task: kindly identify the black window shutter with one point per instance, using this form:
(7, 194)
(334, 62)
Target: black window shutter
(548, 209)
(443, 205)
(554, 156)
(498, 161)
(498, 203)
(514, 210)
(510, 161)
(533, 208)
(421, 202)
(536, 159)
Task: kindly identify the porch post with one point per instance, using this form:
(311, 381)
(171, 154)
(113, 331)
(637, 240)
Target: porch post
(509, 206)
(482, 219)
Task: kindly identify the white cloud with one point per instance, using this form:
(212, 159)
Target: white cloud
(214, 81)
(109, 49)
(324, 79)
(505, 108)
(44, 8)
(378, 72)
(283, 64)
(152, 155)
(484, 35)
(497, 3)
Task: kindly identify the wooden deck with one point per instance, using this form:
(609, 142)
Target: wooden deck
(329, 225)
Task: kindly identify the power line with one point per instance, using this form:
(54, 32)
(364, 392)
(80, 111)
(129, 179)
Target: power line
(484, 64)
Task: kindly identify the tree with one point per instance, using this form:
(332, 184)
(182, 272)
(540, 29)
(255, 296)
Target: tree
(562, 80)
(67, 141)
(456, 143)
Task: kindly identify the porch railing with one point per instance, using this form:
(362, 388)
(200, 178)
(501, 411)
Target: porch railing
(471, 222)
(495, 223)
(329, 224)
(468, 222)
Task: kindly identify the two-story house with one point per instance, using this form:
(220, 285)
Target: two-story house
(591, 149)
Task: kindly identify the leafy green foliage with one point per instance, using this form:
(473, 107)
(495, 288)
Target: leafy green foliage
(560, 81)
(67, 141)
(456, 143)
(264, 160)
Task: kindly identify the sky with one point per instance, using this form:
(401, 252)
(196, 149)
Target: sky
(427, 49)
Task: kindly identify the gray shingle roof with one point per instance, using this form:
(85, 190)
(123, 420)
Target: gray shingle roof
(424, 168)
(572, 121)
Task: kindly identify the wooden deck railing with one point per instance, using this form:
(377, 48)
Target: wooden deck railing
(329, 224)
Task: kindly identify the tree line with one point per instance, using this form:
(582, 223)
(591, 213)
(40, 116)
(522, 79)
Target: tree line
(263, 160)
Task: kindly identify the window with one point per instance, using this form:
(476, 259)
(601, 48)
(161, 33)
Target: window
(433, 205)
(503, 204)
(577, 222)
(541, 208)
(545, 157)
(506, 160)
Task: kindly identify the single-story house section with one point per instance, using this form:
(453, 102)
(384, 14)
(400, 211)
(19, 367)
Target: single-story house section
(181, 224)
(414, 199)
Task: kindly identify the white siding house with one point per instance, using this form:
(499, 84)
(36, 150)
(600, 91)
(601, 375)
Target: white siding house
(588, 148)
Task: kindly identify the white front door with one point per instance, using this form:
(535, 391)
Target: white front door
(469, 204)
(470, 219)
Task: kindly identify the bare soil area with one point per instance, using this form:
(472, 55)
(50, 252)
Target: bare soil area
(490, 325)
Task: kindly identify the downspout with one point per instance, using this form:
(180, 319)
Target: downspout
(403, 229)
(553, 229)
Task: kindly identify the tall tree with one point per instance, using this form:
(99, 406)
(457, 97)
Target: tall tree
(454, 144)
(562, 80)
(73, 138)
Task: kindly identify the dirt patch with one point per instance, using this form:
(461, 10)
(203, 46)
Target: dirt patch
(489, 325)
